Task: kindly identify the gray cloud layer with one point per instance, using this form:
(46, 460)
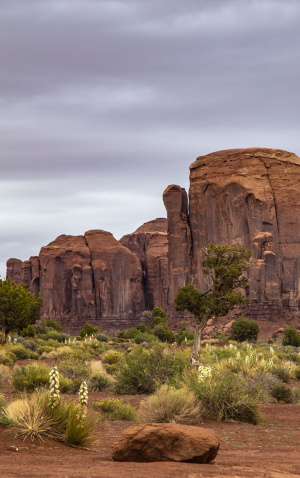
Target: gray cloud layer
(104, 103)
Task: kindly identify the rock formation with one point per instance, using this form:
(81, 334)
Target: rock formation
(150, 243)
(246, 197)
(90, 278)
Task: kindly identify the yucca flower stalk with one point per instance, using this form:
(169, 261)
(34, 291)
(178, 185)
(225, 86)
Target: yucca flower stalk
(204, 372)
(54, 387)
(83, 399)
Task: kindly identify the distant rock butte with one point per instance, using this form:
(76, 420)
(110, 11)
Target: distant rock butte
(246, 197)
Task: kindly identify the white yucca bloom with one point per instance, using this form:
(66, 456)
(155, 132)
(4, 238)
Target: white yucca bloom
(247, 359)
(238, 355)
(272, 350)
(204, 372)
(54, 386)
(83, 399)
(8, 338)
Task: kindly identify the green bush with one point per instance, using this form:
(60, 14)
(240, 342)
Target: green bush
(30, 377)
(88, 330)
(102, 338)
(184, 336)
(130, 333)
(144, 371)
(291, 337)
(31, 345)
(76, 368)
(112, 357)
(22, 353)
(297, 373)
(114, 409)
(55, 336)
(7, 358)
(225, 396)
(145, 337)
(169, 405)
(28, 331)
(52, 324)
(282, 393)
(283, 372)
(164, 334)
(244, 329)
(100, 381)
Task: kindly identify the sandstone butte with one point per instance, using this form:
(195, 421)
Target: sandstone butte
(246, 197)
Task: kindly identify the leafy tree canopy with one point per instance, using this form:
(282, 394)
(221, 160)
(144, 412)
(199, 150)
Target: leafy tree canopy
(225, 267)
(18, 307)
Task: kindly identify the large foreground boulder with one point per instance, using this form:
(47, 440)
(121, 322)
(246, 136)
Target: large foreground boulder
(166, 442)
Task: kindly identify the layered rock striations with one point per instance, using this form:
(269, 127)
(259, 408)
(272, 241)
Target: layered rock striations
(90, 278)
(246, 197)
(150, 243)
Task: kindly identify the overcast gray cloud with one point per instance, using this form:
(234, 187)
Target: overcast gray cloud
(104, 103)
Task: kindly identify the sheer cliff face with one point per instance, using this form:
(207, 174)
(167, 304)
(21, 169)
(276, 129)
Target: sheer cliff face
(251, 198)
(150, 243)
(85, 278)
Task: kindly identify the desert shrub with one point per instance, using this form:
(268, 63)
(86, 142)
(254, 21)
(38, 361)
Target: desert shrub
(169, 405)
(7, 357)
(28, 420)
(184, 336)
(130, 333)
(88, 330)
(282, 371)
(2, 402)
(146, 318)
(4, 373)
(282, 393)
(52, 324)
(244, 329)
(143, 371)
(100, 381)
(80, 427)
(291, 337)
(112, 357)
(114, 409)
(261, 384)
(33, 417)
(297, 373)
(163, 333)
(22, 353)
(145, 337)
(225, 396)
(54, 335)
(31, 345)
(45, 349)
(223, 352)
(143, 328)
(294, 357)
(28, 331)
(75, 367)
(102, 338)
(30, 377)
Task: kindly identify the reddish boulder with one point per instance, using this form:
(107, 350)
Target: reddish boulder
(166, 442)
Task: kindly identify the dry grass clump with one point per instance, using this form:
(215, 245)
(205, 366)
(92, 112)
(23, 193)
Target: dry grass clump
(33, 417)
(169, 405)
(28, 419)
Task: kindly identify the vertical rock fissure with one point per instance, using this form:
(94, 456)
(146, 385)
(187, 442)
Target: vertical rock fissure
(93, 275)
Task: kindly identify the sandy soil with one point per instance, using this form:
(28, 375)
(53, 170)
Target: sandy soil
(272, 450)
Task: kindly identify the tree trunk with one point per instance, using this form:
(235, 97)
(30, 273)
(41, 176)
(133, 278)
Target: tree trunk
(3, 334)
(195, 355)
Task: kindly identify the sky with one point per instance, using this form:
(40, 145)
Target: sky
(105, 103)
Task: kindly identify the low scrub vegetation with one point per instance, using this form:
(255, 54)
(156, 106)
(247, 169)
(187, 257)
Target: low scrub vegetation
(169, 405)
